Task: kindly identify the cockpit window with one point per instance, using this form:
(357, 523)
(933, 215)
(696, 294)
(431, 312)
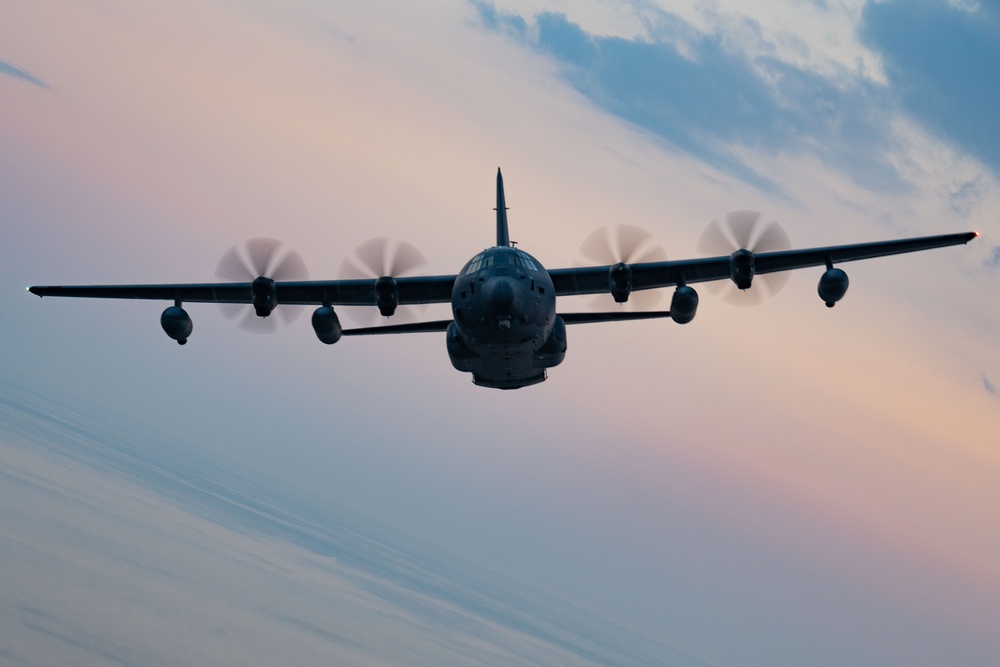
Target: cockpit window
(521, 259)
(473, 264)
(484, 260)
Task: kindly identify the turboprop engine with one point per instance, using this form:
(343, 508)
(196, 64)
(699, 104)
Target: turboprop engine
(620, 281)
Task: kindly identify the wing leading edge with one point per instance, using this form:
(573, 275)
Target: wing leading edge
(651, 275)
(424, 289)
(437, 289)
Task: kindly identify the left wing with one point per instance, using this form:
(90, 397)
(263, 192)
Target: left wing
(650, 275)
(424, 289)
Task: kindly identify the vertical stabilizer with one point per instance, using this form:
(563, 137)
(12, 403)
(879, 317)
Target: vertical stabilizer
(503, 238)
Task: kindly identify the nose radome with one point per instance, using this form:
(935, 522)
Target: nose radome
(499, 293)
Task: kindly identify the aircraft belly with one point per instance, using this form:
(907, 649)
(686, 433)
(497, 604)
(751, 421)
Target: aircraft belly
(509, 363)
(518, 361)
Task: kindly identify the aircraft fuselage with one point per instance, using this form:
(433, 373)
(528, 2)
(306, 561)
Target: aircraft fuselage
(505, 330)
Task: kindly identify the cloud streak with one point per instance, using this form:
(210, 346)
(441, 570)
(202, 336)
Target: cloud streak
(951, 90)
(10, 70)
(992, 261)
(845, 86)
(708, 92)
(133, 494)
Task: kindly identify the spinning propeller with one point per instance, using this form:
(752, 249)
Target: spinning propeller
(260, 261)
(628, 244)
(745, 230)
(383, 259)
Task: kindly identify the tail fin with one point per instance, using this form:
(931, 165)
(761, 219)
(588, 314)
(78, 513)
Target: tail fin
(503, 238)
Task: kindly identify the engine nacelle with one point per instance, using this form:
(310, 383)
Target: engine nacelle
(265, 296)
(177, 324)
(386, 295)
(326, 324)
(832, 286)
(741, 268)
(683, 305)
(620, 281)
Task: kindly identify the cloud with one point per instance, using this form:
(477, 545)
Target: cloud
(710, 92)
(10, 70)
(993, 260)
(939, 59)
(965, 5)
(989, 386)
(178, 536)
(967, 195)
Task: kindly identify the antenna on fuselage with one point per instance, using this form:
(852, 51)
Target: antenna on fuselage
(503, 237)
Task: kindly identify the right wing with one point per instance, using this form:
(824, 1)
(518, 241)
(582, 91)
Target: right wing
(651, 275)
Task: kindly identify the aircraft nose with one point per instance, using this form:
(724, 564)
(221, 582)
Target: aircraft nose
(500, 294)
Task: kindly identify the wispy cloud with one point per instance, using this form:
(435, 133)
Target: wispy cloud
(965, 5)
(989, 386)
(993, 260)
(706, 92)
(950, 90)
(438, 606)
(10, 70)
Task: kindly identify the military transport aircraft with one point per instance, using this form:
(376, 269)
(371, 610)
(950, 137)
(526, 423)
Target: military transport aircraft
(505, 328)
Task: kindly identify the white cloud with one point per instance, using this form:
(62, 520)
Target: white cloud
(971, 6)
(821, 38)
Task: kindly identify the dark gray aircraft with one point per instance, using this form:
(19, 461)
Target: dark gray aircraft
(505, 328)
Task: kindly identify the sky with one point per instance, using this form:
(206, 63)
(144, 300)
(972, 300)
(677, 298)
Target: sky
(777, 485)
